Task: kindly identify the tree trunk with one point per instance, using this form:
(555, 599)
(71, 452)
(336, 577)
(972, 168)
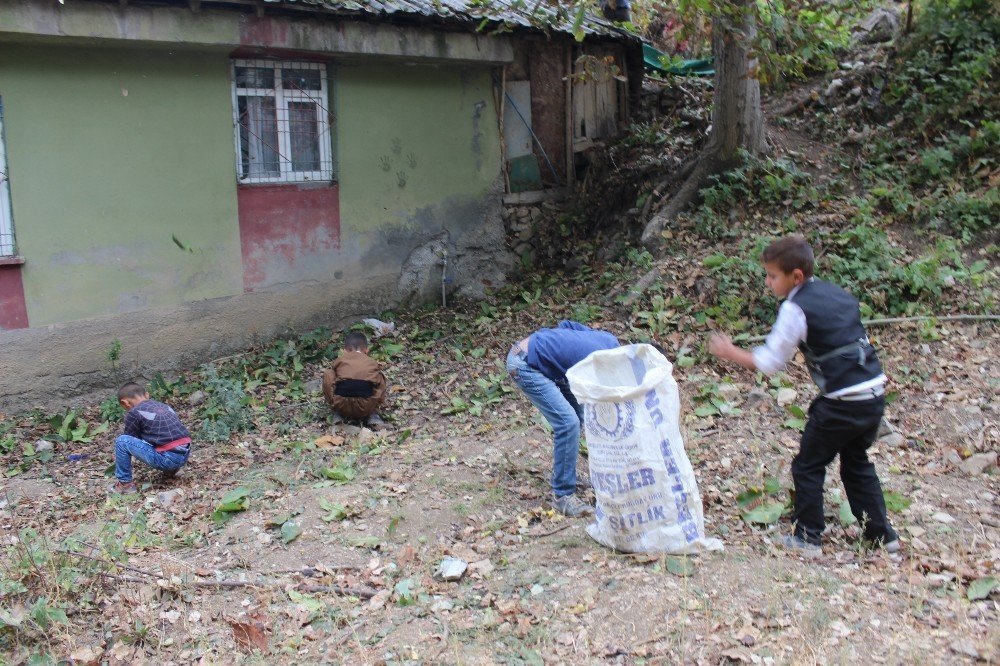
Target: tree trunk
(737, 120)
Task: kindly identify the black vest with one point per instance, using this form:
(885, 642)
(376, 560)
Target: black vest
(837, 350)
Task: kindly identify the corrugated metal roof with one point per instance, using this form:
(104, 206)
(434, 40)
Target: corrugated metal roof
(528, 14)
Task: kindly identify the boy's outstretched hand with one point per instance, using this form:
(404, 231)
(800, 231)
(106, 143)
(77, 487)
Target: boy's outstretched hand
(720, 345)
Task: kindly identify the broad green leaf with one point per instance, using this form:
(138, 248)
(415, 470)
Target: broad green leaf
(766, 514)
(235, 500)
(290, 531)
(772, 486)
(795, 424)
(235, 495)
(339, 473)
(982, 587)
(796, 411)
(371, 542)
(680, 566)
(220, 517)
(393, 524)
(577, 29)
(405, 595)
(706, 410)
(714, 261)
(309, 602)
(232, 502)
(334, 510)
(748, 497)
(685, 361)
(278, 521)
(846, 517)
(894, 501)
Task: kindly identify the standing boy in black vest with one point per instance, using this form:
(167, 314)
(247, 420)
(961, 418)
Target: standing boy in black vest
(824, 322)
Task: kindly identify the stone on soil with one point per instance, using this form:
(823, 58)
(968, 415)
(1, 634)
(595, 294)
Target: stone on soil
(786, 396)
(451, 568)
(979, 463)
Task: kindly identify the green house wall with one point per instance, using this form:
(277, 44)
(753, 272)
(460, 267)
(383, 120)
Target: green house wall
(122, 166)
(415, 144)
(113, 154)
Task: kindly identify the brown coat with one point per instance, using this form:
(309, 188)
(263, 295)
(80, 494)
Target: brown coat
(354, 365)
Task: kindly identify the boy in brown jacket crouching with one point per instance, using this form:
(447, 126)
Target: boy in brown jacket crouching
(355, 387)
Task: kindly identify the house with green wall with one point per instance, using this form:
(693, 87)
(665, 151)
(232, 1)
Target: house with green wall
(189, 177)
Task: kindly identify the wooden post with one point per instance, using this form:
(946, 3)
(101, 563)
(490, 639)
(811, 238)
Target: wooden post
(503, 142)
(570, 162)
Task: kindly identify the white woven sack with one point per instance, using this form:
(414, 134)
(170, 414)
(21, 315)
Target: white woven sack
(647, 495)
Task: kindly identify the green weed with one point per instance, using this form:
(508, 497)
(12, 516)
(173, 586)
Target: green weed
(226, 411)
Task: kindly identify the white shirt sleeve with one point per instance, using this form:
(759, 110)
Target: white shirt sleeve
(783, 340)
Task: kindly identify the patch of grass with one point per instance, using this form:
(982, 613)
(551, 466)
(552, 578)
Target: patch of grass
(493, 495)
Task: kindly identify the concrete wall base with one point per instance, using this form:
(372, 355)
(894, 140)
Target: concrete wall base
(50, 366)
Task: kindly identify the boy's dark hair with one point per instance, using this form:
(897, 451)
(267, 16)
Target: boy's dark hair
(657, 347)
(355, 340)
(131, 390)
(789, 253)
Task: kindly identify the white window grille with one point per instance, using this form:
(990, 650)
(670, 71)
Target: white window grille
(7, 247)
(282, 121)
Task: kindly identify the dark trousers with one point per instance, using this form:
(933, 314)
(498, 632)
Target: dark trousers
(848, 429)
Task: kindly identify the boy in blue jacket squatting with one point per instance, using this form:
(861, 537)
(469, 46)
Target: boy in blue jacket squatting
(824, 322)
(153, 434)
(538, 365)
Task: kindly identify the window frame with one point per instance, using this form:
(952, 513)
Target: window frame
(8, 248)
(282, 100)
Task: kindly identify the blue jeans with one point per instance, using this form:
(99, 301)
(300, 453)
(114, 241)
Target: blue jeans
(127, 446)
(559, 407)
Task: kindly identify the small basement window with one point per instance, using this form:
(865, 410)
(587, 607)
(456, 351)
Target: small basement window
(282, 122)
(7, 247)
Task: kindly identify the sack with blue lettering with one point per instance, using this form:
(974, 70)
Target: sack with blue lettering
(647, 496)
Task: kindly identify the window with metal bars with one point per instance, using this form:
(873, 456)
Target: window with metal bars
(282, 121)
(7, 247)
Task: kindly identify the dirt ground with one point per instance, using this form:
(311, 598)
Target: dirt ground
(360, 587)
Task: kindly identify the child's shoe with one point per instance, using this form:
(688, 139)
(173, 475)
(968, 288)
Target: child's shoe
(122, 488)
(375, 422)
(336, 419)
(802, 547)
(572, 506)
(891, 547)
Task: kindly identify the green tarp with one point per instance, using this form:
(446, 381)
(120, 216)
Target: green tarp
(654, 61)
